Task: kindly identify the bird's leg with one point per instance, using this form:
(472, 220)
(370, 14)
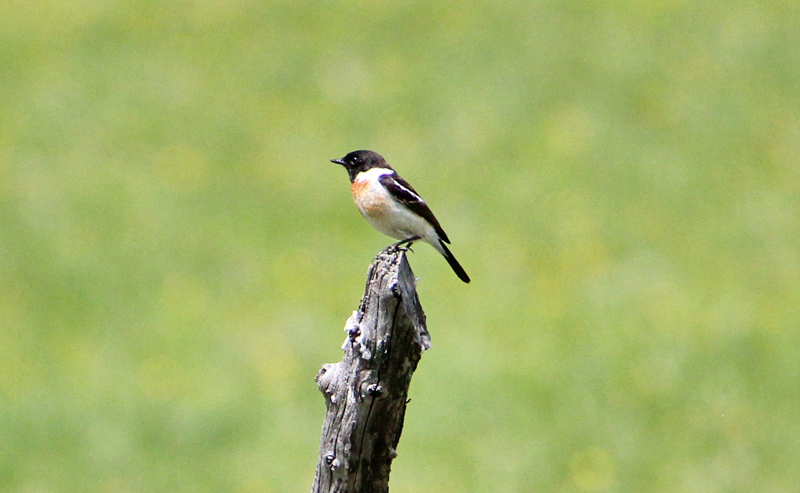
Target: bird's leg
(408, 241)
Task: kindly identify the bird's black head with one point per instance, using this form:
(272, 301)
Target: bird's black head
(358, 161)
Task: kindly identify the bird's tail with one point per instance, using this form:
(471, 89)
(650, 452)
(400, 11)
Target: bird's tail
(453, 262)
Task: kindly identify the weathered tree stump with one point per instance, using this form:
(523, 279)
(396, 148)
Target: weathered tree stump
(366, 393)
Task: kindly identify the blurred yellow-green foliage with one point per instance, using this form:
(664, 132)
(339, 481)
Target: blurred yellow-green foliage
(178, 257)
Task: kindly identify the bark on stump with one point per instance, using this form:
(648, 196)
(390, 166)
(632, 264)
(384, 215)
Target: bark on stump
(366, 393)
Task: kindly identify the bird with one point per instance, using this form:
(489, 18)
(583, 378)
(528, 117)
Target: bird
(393, 207)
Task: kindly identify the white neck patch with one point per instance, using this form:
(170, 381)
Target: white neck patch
(372, 174)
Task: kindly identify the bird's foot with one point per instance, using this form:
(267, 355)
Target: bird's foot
(404, 245)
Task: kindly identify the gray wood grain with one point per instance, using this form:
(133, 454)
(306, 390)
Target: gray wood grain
(366, 393)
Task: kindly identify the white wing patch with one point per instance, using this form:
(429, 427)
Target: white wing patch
(410, 192)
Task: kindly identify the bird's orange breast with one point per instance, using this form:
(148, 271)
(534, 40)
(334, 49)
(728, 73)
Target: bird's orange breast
(358, 188)
(371, 203)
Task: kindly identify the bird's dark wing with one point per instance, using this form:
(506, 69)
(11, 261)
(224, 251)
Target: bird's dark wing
(406, 195)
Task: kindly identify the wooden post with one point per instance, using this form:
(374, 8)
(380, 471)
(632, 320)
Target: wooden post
(366, 393)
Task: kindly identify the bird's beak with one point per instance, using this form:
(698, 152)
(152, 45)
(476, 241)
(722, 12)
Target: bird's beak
(338, 161)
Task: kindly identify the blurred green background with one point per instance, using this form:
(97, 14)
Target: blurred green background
(178, 257)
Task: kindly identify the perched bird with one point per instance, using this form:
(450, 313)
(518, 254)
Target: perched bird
(392, 207)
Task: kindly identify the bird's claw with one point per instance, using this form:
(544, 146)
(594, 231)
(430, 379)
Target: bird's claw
(403, 245)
